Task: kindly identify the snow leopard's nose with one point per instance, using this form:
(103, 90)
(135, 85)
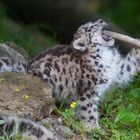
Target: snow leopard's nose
(101, 22)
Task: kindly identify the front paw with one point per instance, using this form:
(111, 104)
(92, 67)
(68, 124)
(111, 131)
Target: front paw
(91, 125)
(90, 121)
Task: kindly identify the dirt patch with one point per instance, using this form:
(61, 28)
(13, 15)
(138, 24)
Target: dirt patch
(25, 95)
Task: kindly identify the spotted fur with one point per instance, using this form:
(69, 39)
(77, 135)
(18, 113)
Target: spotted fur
(14, 126)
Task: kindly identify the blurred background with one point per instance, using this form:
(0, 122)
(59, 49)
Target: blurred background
(37, 24)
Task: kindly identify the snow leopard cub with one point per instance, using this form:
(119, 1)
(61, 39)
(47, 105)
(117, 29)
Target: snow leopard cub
(85, 69)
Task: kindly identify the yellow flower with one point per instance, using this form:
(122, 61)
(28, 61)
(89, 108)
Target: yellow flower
(1, 80)
(137, 134)
(73, 104)
(17, 90)
(25, 97)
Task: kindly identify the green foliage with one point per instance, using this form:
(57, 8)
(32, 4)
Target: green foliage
(124, 13)
(27, 37)
(120, 113)
(14, 137)
(71, 120)
(33, 44)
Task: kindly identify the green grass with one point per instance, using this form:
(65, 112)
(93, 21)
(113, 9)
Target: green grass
(120, 113)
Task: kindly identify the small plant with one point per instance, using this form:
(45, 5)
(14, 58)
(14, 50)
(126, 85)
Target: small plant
(70, 119)
(13, 137)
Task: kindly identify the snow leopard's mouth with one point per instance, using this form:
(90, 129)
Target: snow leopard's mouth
(106, 37)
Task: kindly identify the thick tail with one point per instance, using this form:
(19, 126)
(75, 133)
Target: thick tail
(13, 126)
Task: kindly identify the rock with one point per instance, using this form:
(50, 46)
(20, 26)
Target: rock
(25, 95)
(57, 127)
(7, 51)
(60, 120)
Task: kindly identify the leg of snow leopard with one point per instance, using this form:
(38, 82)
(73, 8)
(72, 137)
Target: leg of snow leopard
(88, 111)
(128, 67)
(89, 100)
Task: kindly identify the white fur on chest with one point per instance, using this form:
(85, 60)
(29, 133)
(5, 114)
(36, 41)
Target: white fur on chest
(110, 58)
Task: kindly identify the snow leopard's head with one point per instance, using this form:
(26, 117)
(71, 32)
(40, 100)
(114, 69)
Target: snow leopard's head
(90, 35)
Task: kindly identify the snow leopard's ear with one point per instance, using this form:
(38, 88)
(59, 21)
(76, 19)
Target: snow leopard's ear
(79, 44)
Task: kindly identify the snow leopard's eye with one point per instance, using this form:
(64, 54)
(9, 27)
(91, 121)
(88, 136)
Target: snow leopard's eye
(81, 44)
